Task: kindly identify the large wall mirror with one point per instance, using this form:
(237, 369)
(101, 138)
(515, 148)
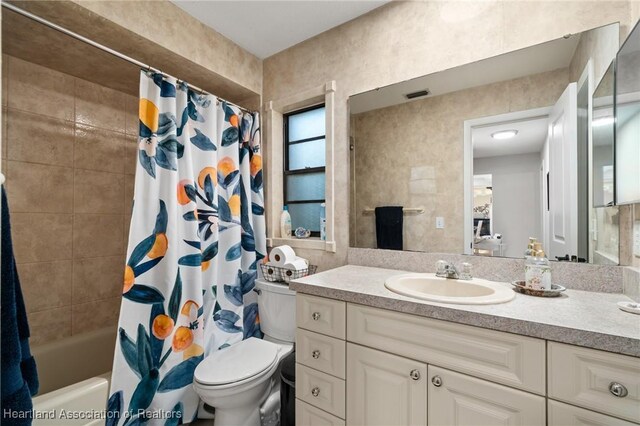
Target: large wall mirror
(485, 155)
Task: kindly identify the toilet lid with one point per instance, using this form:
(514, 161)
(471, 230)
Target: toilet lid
(238, 362)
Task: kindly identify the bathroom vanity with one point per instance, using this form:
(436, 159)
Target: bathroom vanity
(368, 356)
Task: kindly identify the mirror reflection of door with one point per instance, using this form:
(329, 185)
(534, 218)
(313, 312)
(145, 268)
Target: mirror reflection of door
(532, 159)
(509, 148)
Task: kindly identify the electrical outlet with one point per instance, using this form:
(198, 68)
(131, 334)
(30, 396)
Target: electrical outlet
(439, 222)
(636, 238)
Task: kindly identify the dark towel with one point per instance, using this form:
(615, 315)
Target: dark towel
(389, 227)
(19, 374)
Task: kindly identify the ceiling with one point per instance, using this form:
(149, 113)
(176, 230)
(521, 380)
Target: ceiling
(530, 139)
(266, 27)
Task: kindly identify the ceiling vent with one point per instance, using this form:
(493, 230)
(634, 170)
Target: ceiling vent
(417, 94)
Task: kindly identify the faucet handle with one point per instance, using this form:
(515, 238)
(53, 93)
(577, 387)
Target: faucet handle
(465, 271)
(441, 267)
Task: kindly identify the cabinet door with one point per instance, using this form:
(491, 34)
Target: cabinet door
(459, 400)
(384, 389)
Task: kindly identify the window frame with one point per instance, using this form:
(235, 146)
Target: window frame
(286, 172)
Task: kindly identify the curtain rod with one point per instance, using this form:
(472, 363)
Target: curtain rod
(104, 48)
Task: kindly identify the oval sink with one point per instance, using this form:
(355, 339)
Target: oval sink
(445, 290)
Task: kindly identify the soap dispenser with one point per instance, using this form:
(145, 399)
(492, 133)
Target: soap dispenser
(537, 270)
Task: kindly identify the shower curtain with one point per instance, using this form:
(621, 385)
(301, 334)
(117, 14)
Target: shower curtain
(197, 233)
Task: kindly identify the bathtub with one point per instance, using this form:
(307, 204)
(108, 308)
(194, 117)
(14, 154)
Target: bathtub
(74, 376)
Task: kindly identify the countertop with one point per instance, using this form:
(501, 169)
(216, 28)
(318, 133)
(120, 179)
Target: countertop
(581, 318)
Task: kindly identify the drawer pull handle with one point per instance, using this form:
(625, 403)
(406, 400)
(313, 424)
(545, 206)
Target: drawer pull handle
(618, 390)
(414, 374)
(315, 316)
(437, 381)
(315, 391)
(315, 354)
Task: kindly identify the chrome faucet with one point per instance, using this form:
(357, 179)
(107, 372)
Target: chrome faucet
(445, 269)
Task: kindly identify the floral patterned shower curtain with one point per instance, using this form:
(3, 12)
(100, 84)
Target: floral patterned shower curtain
(197, 233)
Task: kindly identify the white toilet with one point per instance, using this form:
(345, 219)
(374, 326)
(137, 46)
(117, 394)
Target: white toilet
(238, 379)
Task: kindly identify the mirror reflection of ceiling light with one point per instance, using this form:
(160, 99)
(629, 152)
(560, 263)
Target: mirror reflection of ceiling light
(602, 121)
(504, 134)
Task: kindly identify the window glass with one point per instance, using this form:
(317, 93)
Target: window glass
(306, 155)
(306, 215)
(305, 125)
(305, 186)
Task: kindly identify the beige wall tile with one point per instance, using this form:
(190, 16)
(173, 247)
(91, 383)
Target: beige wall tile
(99, 106)
(94, 315)
(97, 278)
(131, 121)
(49, 325)
(40, 90)
(45, 285)
(127, 225)
(3, 138)
(98, 149)
(5, 79)
(39, 139)
(98, 192)
(96, 235)
(41, 237)
(130, 154)
(129, 184)
(40, 188)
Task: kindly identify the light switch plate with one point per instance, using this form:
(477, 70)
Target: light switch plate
(636, 238)
(439, 222)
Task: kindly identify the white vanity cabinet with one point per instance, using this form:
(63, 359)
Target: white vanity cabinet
(358, 365)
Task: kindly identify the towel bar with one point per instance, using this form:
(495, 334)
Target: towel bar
(416, 210)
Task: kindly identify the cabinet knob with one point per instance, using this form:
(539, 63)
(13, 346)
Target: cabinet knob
(315, 316)
(414, 374)
(315, 354)
(315, 391)
(437, 381)
(618, 389)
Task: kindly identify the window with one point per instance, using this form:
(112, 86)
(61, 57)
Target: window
(304, 167)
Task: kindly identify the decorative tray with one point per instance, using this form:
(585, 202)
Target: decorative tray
(555, 290)
(279, 274)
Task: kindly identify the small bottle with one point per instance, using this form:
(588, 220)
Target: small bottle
(323, 222)
(285, 223)
(537, 270)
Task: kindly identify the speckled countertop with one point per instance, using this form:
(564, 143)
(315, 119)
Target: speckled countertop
(577, 317)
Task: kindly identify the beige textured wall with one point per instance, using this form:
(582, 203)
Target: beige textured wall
(163, 35)
(69, 150)
(403, 40)
(411, 154)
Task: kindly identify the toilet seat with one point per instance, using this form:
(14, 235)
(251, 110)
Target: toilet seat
(243, 362)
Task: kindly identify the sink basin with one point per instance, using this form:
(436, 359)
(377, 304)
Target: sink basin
(464, 292)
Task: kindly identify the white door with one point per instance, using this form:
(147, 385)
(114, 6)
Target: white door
(384, 389)
(563, 175)
(459, 400)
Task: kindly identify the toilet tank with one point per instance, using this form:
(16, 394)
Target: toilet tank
(277, 310)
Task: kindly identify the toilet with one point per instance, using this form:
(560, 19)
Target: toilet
(237, 380)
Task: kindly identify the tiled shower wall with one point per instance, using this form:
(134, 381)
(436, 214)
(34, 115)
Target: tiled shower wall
(68, 152)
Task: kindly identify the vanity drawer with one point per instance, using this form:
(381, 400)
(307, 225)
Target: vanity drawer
(321, 352)
(505, 358)
(561, 414)
(320, 390)
(308, 415)
(326, 316)
(583, 377)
